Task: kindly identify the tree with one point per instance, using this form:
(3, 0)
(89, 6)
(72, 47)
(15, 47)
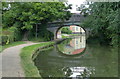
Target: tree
(103, 18)
(25, 16)
(66, 30)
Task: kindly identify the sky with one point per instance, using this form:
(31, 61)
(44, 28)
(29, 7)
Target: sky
(74, 3)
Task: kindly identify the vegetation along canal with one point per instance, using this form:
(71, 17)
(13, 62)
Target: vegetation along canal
(73, 57)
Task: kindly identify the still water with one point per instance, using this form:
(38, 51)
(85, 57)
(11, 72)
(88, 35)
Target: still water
(74, 58)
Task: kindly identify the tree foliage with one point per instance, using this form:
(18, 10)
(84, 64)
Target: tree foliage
(24, 15)
(103, 19)
(66, 30)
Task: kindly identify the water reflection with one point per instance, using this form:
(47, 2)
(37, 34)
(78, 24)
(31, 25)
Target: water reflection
(96, 61)
(73, 46)
(78, 71)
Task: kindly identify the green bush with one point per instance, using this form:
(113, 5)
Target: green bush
(43, 35)
(10, 35)
(16, 33)
(7, 39)
(4, 39)
(66, 30)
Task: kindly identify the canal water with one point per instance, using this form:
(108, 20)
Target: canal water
(73, 57)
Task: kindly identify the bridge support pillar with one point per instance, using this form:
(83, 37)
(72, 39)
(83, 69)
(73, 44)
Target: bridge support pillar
(55, 35)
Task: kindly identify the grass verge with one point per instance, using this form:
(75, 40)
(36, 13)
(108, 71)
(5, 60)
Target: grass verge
(65, 36)
(26, 59)
(12, 44)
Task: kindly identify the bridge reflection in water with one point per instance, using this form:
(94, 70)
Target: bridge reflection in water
(74, 58)
(72, 46)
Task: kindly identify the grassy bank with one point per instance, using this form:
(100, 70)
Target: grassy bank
(12, 44)
(26, 59)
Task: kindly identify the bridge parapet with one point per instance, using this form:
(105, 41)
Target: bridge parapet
(76, 18)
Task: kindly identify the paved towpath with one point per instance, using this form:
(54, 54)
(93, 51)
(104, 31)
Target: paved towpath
(10, 61)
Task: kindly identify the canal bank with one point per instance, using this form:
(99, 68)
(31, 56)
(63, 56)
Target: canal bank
(26, 55)
(56, 57)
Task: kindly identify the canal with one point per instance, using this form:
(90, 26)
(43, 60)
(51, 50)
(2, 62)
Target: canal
(73, 57)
